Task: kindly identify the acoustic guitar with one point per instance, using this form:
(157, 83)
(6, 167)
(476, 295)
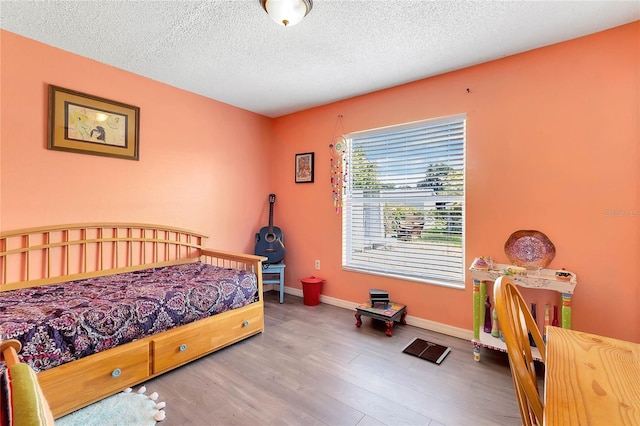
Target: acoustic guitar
(270, 241)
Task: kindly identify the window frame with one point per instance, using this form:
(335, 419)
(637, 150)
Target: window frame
(457, 278)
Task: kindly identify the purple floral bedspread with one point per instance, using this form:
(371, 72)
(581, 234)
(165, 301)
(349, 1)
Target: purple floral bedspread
(62, 322)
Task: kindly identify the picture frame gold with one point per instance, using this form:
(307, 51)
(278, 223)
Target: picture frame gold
(88, 124)
(304, 167)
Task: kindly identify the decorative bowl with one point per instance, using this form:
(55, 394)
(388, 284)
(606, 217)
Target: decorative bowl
(530, 249)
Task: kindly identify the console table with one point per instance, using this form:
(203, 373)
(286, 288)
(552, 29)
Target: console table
(274, 274)
(538, 279)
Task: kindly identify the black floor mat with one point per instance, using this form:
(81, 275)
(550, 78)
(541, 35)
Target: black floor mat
(427, 350)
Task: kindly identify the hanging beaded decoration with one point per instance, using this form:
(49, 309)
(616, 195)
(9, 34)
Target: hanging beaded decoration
(338, 177)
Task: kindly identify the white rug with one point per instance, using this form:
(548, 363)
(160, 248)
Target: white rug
(126, 408)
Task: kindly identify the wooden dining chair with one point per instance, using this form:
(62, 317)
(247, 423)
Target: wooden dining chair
(516, 322)
(21, 399)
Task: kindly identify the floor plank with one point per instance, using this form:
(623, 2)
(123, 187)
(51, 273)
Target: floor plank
(313, 366)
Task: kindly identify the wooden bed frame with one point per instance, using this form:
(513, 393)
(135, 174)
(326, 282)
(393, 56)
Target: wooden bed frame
(57, 254)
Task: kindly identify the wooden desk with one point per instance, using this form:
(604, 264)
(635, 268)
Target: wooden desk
(591, 380)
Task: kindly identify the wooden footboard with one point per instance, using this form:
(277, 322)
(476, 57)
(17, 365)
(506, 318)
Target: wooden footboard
(48, 255)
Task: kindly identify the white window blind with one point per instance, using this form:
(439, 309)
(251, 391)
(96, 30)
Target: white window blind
(403, 207)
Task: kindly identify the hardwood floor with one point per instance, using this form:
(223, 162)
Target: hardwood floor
(313, 366)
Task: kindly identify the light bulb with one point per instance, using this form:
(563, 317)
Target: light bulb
(287, 12)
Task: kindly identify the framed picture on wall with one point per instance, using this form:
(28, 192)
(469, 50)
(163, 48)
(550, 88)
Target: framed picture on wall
(304, 167)
(91, 125)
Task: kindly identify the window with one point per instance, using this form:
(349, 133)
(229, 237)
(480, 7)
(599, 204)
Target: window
(403, 207)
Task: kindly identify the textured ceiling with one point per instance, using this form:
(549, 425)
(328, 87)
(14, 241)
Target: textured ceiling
(231, 51)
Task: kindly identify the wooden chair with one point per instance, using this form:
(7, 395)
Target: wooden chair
(516, 322)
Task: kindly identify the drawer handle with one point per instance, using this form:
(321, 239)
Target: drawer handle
(183, 347)
(116, 372)
(245, 324)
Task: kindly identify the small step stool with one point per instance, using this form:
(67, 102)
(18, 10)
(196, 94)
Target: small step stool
(378, 296)
(274, 274)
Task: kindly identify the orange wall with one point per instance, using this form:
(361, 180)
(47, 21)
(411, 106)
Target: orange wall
(552, 145)
(201, 161)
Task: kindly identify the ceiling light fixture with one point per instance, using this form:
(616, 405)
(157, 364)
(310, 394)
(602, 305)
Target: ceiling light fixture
(287, 12)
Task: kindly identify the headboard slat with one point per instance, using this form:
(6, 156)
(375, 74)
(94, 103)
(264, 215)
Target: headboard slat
(28, 257)
(84, 250)
(66, 253)
(48, 253)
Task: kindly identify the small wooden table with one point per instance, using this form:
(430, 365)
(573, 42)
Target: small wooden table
(388, 313)
(591, 379)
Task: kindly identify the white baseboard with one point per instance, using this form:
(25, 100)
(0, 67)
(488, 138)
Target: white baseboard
(449, 330)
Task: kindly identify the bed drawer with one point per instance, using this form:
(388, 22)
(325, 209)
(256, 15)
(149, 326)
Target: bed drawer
(191, 341)
(92, 378)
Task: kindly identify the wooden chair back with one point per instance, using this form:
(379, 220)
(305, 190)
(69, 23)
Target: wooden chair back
(21, 399)
(516, 322)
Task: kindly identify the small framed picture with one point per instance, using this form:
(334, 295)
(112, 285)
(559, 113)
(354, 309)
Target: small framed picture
(87, 124)
(304, 167)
